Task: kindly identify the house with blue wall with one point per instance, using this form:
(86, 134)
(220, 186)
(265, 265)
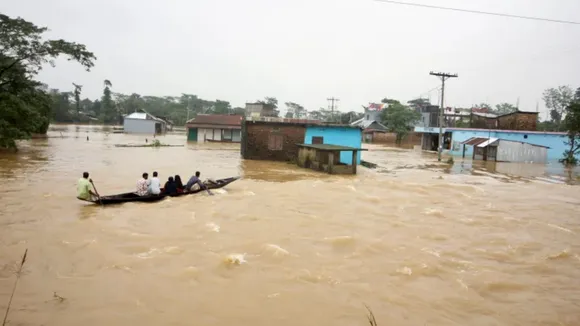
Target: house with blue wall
(555, 141)
(336, 135)
(278, 139)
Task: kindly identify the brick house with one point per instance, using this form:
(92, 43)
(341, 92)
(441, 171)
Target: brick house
(518, 120)
(277, 140)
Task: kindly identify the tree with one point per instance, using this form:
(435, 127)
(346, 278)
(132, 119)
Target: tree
(108, 114)
(400, 119)
(272, 104)
(572, 124)
(294, 110)
(557, 100)
(77, 93)
(25, 105)
(504, 108)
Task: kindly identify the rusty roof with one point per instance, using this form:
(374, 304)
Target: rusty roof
(216, 119)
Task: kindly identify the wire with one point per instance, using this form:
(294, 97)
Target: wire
(479, 12)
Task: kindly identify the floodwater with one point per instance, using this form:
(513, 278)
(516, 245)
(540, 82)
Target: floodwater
(418, 243)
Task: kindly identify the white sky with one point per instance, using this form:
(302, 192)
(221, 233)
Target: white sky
(308, 50)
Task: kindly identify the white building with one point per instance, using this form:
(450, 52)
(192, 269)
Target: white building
(143, 123)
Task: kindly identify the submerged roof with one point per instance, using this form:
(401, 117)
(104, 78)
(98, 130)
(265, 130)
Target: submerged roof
(330, 147)
(217, 119)
(143, 116)
(362, 123)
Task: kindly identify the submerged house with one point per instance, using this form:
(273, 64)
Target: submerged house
(143, 123)
(504, 150)
(215, 128)
(283, 140)
(370, 122)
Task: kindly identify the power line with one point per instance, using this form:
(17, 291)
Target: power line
(479, 12)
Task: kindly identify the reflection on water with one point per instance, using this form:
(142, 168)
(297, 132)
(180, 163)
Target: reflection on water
(473, 243)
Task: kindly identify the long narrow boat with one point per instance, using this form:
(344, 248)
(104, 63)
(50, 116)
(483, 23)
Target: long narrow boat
(133, 197)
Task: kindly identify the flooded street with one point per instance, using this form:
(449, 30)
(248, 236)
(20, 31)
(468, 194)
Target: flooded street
(283, 245)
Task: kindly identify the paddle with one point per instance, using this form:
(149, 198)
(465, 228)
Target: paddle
(98, 196)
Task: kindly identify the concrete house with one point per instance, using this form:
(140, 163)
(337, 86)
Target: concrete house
(215, 128)
(143, 123)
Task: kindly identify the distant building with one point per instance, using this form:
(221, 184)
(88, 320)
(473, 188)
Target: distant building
(143, 123)
(215, 128)
(371, 121)
(280, 140)
(256, 110)
(503, 150)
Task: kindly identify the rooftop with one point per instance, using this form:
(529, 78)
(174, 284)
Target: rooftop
(484, 142)
(330, 147)
(300, 122)
(217, 119)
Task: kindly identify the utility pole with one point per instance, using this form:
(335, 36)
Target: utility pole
(444, 77)
(332, 100)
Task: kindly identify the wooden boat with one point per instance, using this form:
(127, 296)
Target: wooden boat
(133, 197)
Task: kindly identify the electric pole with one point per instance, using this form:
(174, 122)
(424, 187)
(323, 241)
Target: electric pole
(444, 77)
(332, 100)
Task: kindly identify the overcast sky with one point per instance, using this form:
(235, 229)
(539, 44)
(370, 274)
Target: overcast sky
(308, 50)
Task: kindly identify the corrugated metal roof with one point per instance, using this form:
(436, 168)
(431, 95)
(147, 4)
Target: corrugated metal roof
(479, 141)
(217, 119)
(137, 115)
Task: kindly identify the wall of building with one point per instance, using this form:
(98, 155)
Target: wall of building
(553, 140)
(256, 140)
(518, 121)
(390, 138)
(511, 151)
(139, 126)
(343, 136)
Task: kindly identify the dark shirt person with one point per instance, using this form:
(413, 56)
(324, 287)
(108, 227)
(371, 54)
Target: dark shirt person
(179, 184)
(170, 187)
(194, 180)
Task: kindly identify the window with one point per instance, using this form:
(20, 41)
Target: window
(275, 142)
(227, 134)
(317, 140)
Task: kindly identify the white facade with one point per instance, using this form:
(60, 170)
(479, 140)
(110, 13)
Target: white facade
(143, 123)
(215, 134)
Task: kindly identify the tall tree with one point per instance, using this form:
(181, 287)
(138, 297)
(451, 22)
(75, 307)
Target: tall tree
(271, 103)
(400, 119)
(108, 114)
(572, 125)
(25, 106)
(295, 110)
(77, 93)
(557, 100)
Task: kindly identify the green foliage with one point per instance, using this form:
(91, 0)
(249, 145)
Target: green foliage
(504, 108)
(272, 104)
(295, 110)
(399, 119)
(572, 124)
(25, 105)
(109, 112)
(556, 100)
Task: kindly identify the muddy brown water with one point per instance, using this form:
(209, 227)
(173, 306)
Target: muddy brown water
(282, 246)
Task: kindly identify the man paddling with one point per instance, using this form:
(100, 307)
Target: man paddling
(84, 191)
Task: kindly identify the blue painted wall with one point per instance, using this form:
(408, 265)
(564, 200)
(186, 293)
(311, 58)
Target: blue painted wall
(552, 140)
(342, 136)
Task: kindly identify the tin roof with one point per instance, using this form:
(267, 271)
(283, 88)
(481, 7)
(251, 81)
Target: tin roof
(217, 119)
(480, 142)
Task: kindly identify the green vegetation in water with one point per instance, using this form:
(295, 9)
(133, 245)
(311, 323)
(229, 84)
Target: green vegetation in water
(450, 160)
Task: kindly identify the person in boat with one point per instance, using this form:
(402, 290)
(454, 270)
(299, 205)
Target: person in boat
(170, 187)
(143, 185)
(84, 191)
(195, 183)
(179, 184)
(155, 185)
